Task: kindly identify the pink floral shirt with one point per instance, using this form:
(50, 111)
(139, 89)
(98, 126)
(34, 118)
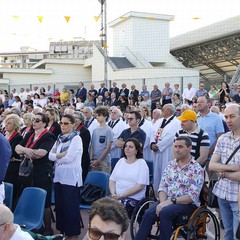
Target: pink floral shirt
(188, 180)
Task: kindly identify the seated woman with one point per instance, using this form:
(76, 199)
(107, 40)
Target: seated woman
(130, 176)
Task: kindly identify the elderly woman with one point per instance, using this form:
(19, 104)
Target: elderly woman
(36, 146)
(67, 155)
(27, 120)
(12, 126)
(130, 176)
(86, 137)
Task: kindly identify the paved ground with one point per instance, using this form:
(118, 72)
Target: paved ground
(84, 214)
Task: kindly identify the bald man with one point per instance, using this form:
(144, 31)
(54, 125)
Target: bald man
(9, 230)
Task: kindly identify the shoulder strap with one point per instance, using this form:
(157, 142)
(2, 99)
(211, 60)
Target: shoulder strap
(233, 153)
(197, 153)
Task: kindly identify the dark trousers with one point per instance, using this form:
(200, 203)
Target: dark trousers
(166, 217)
(67, 209)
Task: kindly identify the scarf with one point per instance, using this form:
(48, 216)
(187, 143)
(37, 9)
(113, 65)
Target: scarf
(66, 140)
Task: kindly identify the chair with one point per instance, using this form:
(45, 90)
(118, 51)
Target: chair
(30, 208)
(189, 227)
(8, 194)
(113, 163)
(97, 178)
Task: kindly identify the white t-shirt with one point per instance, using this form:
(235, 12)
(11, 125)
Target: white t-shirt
(21, 235)
(127, 175)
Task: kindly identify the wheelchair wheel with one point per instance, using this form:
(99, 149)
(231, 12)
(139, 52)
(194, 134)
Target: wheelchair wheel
(203, 225)
(137, 215)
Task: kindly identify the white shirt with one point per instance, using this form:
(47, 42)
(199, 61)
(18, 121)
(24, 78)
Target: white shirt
(188, 93)
(128, 175)
(20, 235)
(68, 169)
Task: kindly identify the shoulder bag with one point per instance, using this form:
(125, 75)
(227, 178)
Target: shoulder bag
(212, 198)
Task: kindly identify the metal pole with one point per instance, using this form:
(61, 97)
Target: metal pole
(105, 45)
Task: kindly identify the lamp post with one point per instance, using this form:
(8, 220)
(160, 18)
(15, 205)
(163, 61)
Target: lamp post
(104, 37)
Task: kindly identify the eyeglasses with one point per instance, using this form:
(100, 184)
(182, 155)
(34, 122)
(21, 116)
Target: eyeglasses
(130, 119)
(65, 123)
(3, 224)
(95, 234)
(37, 120)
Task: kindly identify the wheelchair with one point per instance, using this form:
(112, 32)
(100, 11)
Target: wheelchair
(201, 224)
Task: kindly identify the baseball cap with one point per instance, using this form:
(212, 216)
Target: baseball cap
(188, 115)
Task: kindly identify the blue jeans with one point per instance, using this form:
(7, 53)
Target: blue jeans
(229, 214)
(166, 216)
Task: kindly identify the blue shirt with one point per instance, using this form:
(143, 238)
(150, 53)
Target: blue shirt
(212, 124)
(139, 134)
(6, 153)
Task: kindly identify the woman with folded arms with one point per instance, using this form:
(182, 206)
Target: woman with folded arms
(130, 176)
(67, 154)
(12, 126)
(36, 145)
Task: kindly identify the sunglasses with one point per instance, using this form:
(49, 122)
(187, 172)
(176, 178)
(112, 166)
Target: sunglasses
(65, 123)
(95, 234)
(37, 120)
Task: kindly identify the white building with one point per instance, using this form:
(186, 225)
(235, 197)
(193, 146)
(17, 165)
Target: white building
(140, 55)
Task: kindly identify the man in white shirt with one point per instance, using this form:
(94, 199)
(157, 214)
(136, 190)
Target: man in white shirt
(117, 125)
(189, 93)
(91, 123)
(9, 230)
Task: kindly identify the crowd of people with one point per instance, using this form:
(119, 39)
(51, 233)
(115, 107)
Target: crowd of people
(68, 133)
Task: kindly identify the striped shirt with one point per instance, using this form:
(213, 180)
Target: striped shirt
(225, 188)
(194, 136)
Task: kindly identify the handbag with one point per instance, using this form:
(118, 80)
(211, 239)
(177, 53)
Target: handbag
(212, 198)
(26, 167)
(90, 193)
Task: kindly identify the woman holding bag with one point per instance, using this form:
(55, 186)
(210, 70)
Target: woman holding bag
(36, 146)
(67, 154)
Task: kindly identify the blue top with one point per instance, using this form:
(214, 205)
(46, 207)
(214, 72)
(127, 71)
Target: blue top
(139, 134)
(212, 124)
(6, 153)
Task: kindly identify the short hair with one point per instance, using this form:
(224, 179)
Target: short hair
(109, 209)
(137, 114)
(29, 116)
(70, 117)
(102, 111)
(170, 107)
(137, 146)
(16, 111)
(187, 140)
(80, 115)
(6, 216)
(89, 109)
(16, 120)
(45, 118)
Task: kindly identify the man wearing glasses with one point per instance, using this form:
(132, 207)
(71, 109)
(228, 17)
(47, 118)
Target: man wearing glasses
(134, 118)
(108, 218)
(6, 153)
(9, 230)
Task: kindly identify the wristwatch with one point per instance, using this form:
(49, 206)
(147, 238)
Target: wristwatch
(174, 200)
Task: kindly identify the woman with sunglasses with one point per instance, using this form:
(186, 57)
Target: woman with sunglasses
(36, 146)
(66, 155)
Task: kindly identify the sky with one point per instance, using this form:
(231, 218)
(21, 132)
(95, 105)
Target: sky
(20, 25)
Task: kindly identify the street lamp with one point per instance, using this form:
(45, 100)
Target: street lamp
(104, 36)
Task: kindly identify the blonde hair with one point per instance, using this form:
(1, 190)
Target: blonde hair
(16, 120)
